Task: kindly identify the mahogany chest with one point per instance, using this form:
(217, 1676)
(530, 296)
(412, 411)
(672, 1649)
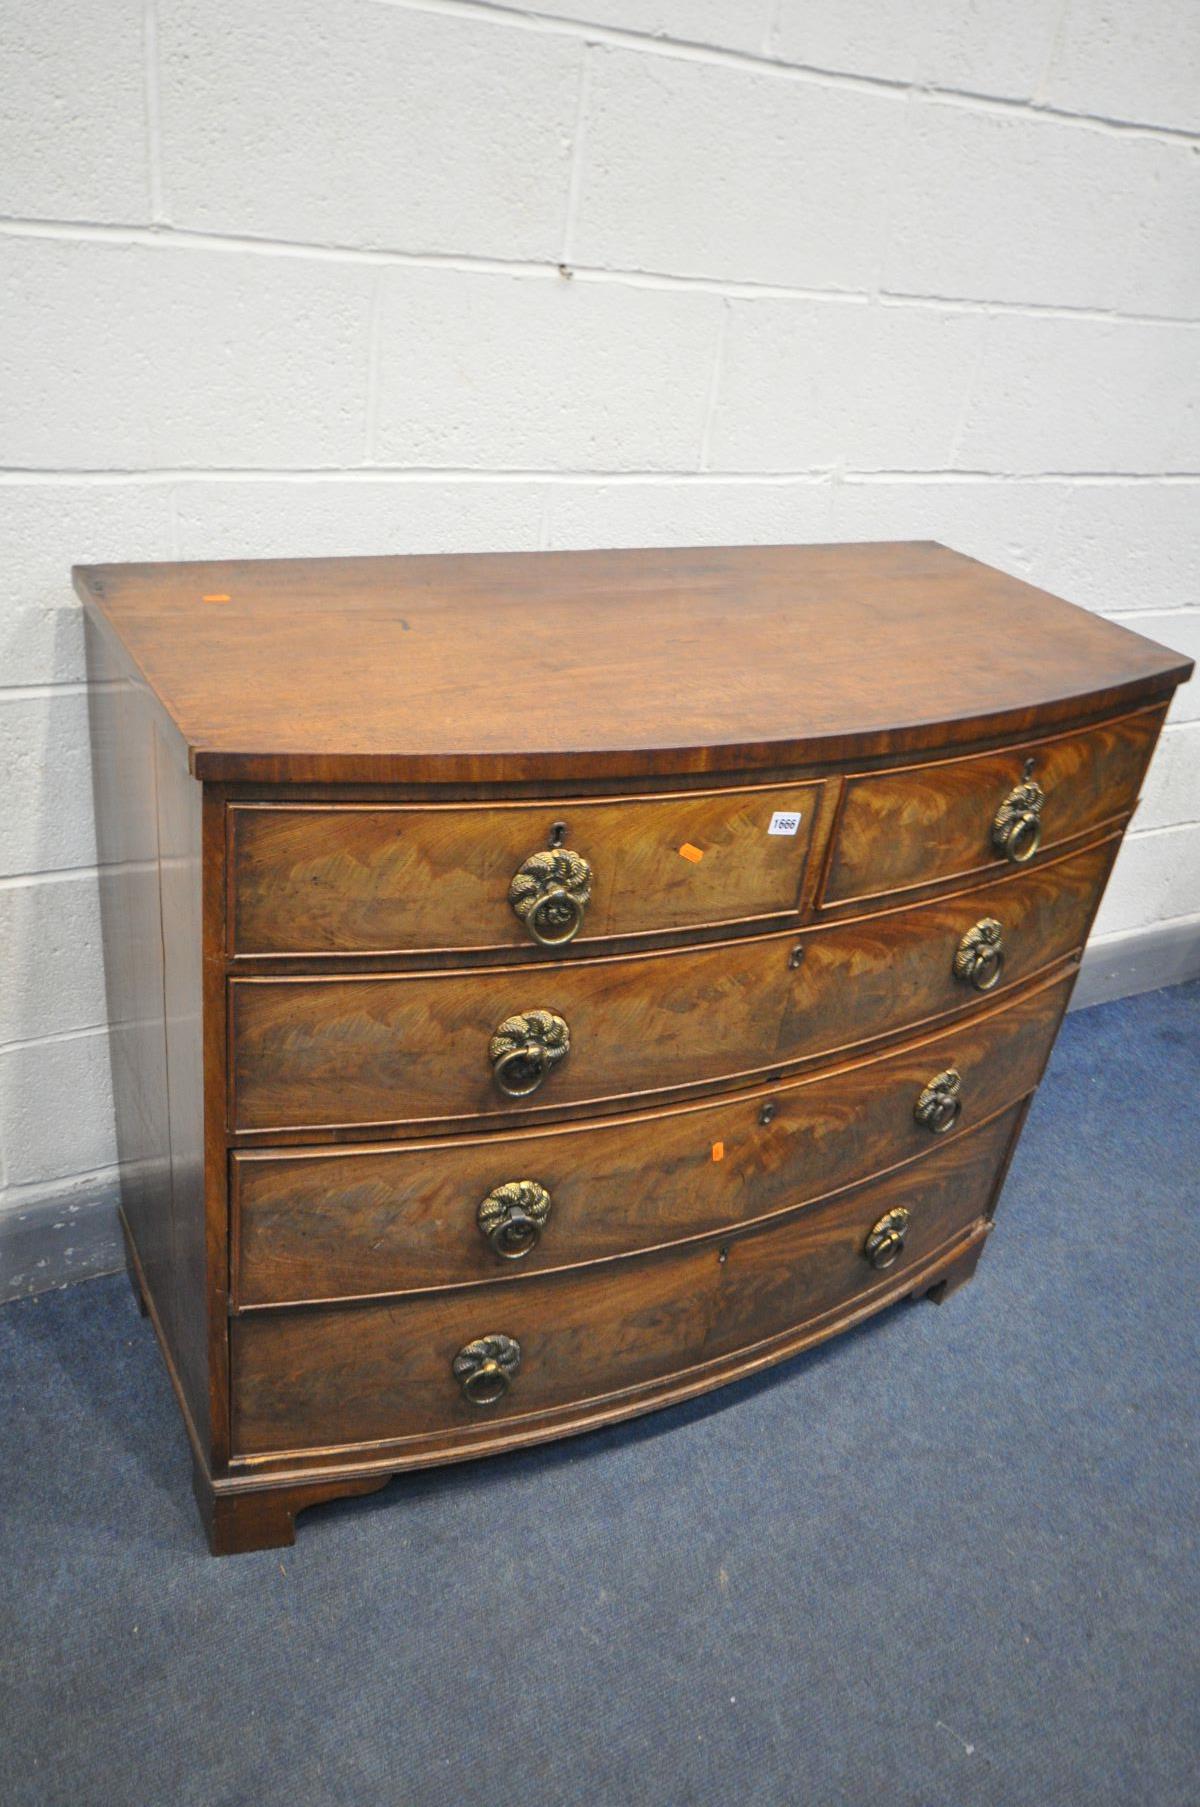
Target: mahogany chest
(547, 986)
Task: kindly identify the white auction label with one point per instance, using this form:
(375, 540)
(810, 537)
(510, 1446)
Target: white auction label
(784, 821)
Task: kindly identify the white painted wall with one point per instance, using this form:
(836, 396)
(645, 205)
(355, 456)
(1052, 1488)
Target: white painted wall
(341, 276)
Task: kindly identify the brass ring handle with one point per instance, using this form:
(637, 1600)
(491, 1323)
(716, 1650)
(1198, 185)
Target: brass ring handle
(485, 1369)
(940, 1104)
(979, 956)
(1019, 841)
(512, 1218)
(1017, 828)
(886, 1239)
(525, 1048)
(550, 894)
(520, 1071)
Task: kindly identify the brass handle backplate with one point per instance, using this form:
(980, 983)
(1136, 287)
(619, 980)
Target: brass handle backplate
(980, 955)
(525, 1048)
(513, 1216)
(940, 1104)
(485, 1368)
(1017, 828)
(886, 1239)
(550, 894)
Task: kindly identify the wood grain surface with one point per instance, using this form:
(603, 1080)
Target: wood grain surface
(548, 666)
(362, 879)
(339, 1375)
(412, 1049)
(903, 829)
(338, 1224)
(149, 843)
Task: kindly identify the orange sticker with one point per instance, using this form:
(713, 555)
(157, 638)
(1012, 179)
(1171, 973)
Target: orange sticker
(216, 599)
(688, 852)
(718, 1151)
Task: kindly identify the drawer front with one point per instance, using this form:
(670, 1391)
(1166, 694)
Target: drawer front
(335, 1224)
(325, 1376)
(927, 824)
(414, 1049)
(361, 879)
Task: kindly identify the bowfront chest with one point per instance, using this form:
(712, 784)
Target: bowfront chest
(547, 986)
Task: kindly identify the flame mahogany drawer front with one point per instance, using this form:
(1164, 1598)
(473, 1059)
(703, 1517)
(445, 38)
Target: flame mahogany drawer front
(347, 1223)
(547, 986)
(959, 817)
(416, 1050)
(365, 879)
(384, 1372)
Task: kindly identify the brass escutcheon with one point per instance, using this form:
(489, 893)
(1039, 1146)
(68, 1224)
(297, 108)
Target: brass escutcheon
(525, 1048)
(550, 894)
(485, 1368)
(980, 955)
(940, 1104)
(1017, 828)
(513, 1216)
(886, 1239)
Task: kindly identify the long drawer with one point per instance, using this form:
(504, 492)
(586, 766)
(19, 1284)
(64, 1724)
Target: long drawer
(393, 878)
(410, 1050)
(335, 1224)
(323, 1377)
(927, 824)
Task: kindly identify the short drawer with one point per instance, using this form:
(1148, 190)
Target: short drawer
(361, 879)
(415, 1049)
(337, 1224)
(927, 824)
(323, 1377)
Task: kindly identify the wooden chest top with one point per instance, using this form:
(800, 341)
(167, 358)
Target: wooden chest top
(527, 667)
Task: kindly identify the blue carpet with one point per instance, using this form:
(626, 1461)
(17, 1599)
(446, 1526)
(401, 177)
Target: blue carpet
(951, 1558)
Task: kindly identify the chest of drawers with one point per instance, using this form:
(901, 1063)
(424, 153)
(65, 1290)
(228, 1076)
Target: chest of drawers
(547, 986)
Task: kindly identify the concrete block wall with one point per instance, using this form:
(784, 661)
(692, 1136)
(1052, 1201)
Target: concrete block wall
(406, 275)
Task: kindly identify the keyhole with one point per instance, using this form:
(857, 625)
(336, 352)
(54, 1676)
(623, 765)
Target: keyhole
(558, 835)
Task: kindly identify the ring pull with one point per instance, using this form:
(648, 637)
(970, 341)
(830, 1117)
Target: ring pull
(550, 894)
(525, 1048)
(485, 1369)
(512, 1218)
(886, 1240)
(940, 1104)
(979, 956)
(1017, 828)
